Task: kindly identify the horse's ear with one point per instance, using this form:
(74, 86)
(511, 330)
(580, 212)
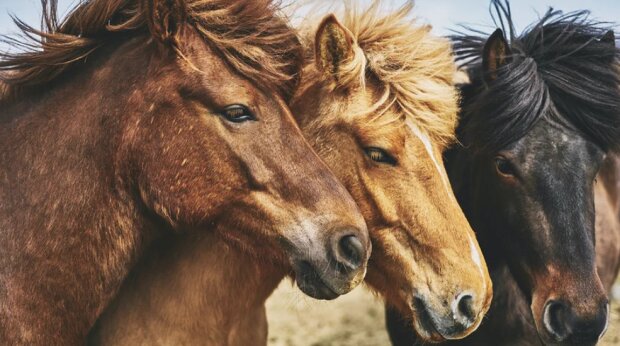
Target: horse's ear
(165, 18)
(496, 53)
(609, 37)
(333, 45)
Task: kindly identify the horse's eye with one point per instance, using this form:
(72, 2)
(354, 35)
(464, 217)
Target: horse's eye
(504, 167)
(380, 155)
(237, 113)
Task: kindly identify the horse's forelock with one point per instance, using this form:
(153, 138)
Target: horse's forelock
(412, 69)
(560, 69)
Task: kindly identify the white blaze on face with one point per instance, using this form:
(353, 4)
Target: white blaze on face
(475, 256)
(429, 149)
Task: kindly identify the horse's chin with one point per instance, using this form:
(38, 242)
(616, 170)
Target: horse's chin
(317, 290)
(425, 329)
(312, 284)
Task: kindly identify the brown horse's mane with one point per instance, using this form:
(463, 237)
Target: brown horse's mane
(414, 68)
(247, 34)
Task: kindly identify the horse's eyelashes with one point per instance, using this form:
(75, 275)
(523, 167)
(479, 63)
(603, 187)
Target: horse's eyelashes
(380, 155)
(237, 113)
(375, 155)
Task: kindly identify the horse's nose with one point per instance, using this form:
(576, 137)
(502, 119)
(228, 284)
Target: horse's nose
(451, 322)
(349, 250)
(565, 325)
(463, 310)
(325, 272)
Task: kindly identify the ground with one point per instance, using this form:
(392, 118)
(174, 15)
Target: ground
(355, 319)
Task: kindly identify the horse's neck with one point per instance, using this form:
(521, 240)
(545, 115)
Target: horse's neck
(199, 290)
(68, 229)
(607, 207)
(609, 178)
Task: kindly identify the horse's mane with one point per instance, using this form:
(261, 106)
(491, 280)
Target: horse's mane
(560, 70)
(414, 68)
(248, 34)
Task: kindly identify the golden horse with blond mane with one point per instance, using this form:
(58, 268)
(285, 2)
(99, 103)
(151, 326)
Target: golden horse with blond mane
(379, 106)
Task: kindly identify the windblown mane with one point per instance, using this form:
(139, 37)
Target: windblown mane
(247, 33)
(559, 70)
(415, 68)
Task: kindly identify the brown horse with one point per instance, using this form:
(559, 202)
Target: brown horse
(381, 129)
(137, 124)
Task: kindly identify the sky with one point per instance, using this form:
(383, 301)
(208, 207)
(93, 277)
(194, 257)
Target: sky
(443, 15)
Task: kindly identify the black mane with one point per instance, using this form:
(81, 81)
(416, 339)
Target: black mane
(560, 70)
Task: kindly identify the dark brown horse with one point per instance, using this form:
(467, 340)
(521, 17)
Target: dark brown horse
(133, 123)
(538, 178)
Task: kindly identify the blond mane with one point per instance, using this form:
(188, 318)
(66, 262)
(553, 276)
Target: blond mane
(415, 68)
(247, 33)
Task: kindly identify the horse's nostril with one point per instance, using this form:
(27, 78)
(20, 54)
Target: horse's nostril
(463, 309)
(566, 325)
(351, 250)
(555, 319)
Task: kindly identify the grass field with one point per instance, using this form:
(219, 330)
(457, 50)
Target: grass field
(355, 319)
